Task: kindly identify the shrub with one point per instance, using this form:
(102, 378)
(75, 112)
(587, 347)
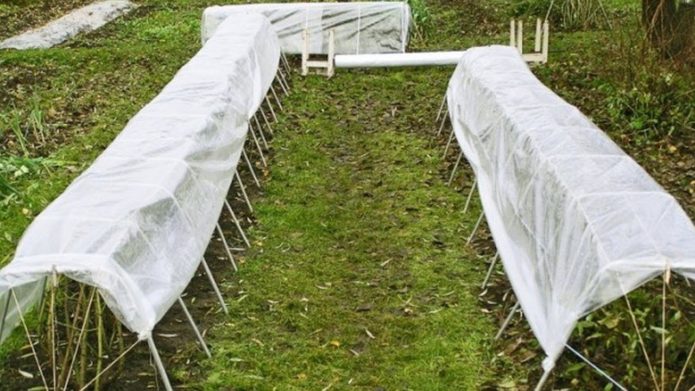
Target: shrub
(421, 16)
(657, 106)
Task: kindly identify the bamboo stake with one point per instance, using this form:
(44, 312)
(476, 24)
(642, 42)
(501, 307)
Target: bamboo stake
(42, 309)
(54, 285)
(665, 281)
(641, 341)
(117, 359)
(31, 343)
(685, 366)
(70, 335)
(100, 340)
(121, 343)
(82, 345)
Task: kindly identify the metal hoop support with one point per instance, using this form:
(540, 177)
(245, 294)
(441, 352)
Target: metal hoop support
(266, 121)
(260, 131)
(237, 223)
(226, 247)
(441, 125)
(448, 143)
(243, 191)
(286, 63)
(507, 321)
(258, 145)
(594, 367)
(215, 287)
(441, 107)
(270, 106)
(543, 380)
(283, 83)
(489, 270)
(195, 328)
(259, 126)
(453, 171)
(475, 229)
(277, 100)
(253, 172)
(470, 196)
(158, 363)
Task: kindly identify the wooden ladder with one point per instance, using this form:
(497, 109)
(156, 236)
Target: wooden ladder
(540, 50)
(323, 66)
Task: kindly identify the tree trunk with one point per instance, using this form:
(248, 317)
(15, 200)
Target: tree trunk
(670, 26)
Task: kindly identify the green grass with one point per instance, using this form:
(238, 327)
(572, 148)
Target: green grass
(356, 233)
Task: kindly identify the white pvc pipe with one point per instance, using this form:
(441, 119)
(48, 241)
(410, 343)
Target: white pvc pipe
(396, 59)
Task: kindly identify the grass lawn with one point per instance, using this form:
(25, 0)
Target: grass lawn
(359, 275)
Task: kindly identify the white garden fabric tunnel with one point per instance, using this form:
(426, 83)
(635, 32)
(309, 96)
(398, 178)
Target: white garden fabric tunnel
(137, 222)
(577, 222)
(359, 27)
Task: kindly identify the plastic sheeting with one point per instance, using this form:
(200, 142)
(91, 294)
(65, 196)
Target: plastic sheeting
(576, 221)
(360, 27)
(137, 222)
(87, 18)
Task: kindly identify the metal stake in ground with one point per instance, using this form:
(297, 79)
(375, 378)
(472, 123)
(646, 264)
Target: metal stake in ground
(448, 143)
(544, 378)
(453, 171)
(594, 367)
(441, 126)
(243, 191)
(283, 83)
(475, 229)
(276, 98)
(287, 63)
(470, 195)
(266, 121)
(441, 107)
(237, 223)
(195, 328)
(248, 163)
(215, 287)
(226, 247)
(489, 270)
(272, 111)
(260, 131)
(258, 126)
(285, 75)
(506, 321)
(258, 146)
(158, 363)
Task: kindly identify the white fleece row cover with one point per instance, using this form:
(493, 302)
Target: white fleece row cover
(87, 18)
(137, 222)
(360, 27)
(577, 222)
